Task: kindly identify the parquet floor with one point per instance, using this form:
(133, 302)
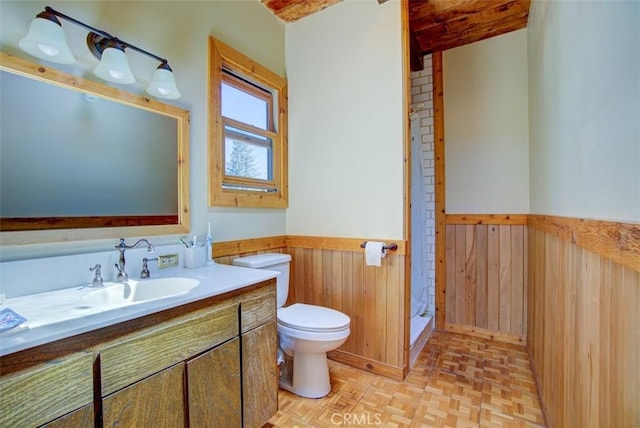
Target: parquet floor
(457, 381)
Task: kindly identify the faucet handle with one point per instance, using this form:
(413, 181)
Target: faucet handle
(97, 279)
(145, 268)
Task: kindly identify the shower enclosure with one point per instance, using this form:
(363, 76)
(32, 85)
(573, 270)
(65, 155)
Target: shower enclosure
(422, 201)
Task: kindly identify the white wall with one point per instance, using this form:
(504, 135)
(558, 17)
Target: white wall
(178, 31)
(346, 122)
(486, 126)
(584, 85)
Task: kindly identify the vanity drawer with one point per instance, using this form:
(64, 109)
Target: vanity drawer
(151, 351)
(47, 391)
(258, 308)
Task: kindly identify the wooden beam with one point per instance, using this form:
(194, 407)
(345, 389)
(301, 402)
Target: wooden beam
(445, 24)
(416, 55)
(438, 135)
(292, 10)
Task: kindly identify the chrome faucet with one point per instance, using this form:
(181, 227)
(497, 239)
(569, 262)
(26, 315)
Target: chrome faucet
(122, 274)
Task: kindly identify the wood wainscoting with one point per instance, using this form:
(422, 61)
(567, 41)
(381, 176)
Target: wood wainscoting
(486, 281)
(331, 272)
(584, 320)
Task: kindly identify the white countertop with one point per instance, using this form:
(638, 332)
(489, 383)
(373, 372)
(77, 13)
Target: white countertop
(63, 313)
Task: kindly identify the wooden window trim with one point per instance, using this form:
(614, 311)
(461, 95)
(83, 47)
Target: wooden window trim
(222, 56)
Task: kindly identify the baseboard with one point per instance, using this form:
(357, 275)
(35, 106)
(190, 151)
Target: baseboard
(486, 334)
(421, 341)
(366, 364)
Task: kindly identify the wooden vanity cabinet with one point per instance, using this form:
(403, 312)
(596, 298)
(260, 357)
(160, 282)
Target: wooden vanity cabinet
(152, 366)
(205, 364)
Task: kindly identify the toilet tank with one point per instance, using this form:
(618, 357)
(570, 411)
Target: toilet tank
(271, 261)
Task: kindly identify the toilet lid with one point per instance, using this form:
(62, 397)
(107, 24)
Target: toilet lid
(305, 317)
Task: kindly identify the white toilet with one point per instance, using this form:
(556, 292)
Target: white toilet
(306, 332)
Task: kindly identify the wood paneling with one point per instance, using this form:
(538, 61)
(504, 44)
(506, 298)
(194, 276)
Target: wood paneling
(331, 272)
(583, 331)
(373, 297)
(619, 242)
(485, 279)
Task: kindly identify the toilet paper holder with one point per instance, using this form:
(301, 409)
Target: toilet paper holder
(390, 247)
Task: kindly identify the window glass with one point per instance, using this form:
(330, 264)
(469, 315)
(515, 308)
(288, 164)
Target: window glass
(247, 155)
(244, 107)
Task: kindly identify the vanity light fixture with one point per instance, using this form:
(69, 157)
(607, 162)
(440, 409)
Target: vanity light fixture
(46, 40)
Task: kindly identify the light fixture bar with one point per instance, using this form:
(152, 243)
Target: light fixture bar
(46, 40)
(104, 33)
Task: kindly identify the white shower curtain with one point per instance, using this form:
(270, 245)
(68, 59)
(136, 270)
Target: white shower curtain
(418, 213)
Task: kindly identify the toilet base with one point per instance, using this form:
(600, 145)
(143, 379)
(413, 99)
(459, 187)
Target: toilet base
(309, 377)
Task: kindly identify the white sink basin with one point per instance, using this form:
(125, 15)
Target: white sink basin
(134, 291)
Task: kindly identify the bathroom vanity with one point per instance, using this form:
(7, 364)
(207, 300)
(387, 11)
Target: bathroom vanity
(206, 359)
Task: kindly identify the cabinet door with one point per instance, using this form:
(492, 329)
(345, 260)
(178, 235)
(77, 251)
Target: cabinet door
(47, 391)
(157, 401)
(213, 385)
(259, 375)
(81, 418)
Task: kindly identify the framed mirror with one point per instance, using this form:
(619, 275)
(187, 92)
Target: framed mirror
(81, 160)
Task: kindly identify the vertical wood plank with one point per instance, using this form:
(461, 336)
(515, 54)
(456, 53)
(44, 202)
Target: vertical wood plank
(393, 306)
(470, 274)
(369, 311)
(493, 278)
(481, 275)
(459, 278)
(380, 299)
(549, 311)
(347, 295)
(525, 282)
(605, 343)
(307, 290)
(450, 292)
(358, 299)
(630, 360)
(592, 328)
(517, 279)
(505, 278)
(316, 277)
(617, 372)
(336, 287)
(326, 278)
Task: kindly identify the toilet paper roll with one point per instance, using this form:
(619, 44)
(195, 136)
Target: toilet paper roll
(374, 253)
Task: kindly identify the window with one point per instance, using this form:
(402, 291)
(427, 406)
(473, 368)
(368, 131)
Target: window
(248, 127)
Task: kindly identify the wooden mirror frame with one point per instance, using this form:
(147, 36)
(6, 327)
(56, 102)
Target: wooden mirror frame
(105, 229)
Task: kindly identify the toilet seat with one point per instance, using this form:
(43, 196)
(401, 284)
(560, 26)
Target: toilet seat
(312, 318)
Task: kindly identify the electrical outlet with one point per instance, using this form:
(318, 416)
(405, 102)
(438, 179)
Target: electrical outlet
(167, 261)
